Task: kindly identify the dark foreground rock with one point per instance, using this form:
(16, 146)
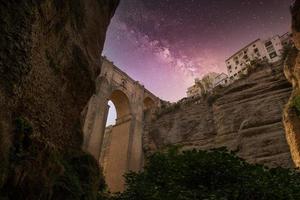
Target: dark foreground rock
(49, 59)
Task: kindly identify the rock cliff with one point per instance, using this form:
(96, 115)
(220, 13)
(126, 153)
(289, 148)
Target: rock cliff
(49, 59)
(292, 71)
(246, 117)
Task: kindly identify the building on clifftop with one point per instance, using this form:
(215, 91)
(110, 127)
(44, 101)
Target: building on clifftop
(269, 50)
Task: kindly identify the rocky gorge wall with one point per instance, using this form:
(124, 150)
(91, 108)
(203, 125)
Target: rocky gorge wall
(292, 72)
(50, 56)
(245, 117)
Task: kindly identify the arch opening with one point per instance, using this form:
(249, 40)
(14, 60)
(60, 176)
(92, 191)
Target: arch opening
(115, 144)
(121, 102)
(112, 114)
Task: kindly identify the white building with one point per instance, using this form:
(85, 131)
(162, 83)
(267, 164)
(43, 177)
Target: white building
(194, 90)
(269, 50)
(206, 84)
(221, 79)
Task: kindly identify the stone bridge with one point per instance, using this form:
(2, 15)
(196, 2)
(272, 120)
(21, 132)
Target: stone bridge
(118, 148)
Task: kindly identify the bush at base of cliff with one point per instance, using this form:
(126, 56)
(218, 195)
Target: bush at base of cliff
(296, 104)
(210, 175)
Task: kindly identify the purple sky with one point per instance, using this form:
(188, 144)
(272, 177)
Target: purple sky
(165, 44)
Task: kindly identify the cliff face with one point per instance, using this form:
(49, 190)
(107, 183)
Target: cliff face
(292, 72)
(245, 117)
(49, 58)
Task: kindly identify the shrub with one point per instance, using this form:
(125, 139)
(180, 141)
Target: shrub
(216, 174)
(296, 104)
(286, 51)
(212, 98)
(167, 109)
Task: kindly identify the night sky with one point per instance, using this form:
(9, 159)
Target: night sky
(165, 44)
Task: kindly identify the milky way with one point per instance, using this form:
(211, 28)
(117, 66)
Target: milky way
(165, 44)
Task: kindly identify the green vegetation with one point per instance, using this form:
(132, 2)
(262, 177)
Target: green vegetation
(287, 50)
(167, 110)
(289, 56)
(210, 175)
(212, 98)
(296, 104)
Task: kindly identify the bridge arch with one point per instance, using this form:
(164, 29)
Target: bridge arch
(121, 102)
(116, 141)
(119, 147)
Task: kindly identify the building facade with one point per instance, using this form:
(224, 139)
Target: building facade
(206, 84)
(269, 50)
(195, 90)
(221, 79)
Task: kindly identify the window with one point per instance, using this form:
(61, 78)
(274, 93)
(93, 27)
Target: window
(237, 62)
(254, 45)
(230, 71)
(273, 55)
(264, 57)
(231, 77)
(235, 74)
(270, 48)
(268, 43)
(256, 50)
(245, 57)
(229, 67)
(235, 67)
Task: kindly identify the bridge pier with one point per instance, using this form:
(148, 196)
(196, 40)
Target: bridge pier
(121, 150)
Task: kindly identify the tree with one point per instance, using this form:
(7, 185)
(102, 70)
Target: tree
(210, 175)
